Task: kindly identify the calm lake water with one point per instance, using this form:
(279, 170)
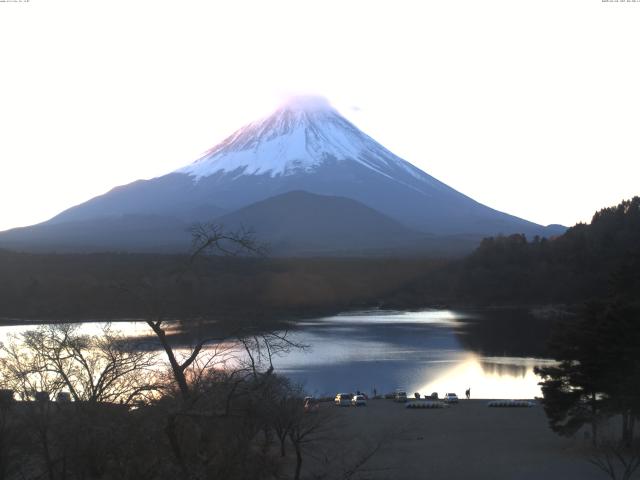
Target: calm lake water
(491, 352)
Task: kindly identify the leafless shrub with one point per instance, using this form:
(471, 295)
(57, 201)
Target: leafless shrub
(616, 460)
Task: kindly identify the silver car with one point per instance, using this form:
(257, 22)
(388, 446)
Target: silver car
(343, 399)
(359, 401)
(451, 398)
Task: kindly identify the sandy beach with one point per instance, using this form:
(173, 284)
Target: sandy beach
(467, 440)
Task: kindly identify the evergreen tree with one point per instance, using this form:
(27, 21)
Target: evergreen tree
(599, 371)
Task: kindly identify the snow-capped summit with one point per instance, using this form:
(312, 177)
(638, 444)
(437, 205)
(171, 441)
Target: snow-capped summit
(308, 103)
(298, 137)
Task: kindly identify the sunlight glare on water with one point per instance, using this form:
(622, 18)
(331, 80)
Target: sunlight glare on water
(488, 377)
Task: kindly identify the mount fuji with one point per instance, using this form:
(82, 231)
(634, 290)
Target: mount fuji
(305, 178)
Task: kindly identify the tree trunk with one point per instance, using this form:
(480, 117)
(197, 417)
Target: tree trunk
(594, 420)
(594, 433)
(298, 461)
(178, 372)
(628, 426)
(172, 435)
(267, 441)
(44, 438)
(49, 463)
(227, 406)
(625, 428)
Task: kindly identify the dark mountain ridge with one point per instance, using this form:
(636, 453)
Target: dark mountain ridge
(300, 222)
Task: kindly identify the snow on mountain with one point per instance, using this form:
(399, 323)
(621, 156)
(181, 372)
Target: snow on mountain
(304, 146)
(298, 138)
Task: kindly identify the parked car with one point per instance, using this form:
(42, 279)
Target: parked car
(451, 398)
(434, 396)
(359, 401)
(343, 399)
(311, 405)
(400, 396)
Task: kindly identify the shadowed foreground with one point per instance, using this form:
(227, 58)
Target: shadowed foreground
(468, 440)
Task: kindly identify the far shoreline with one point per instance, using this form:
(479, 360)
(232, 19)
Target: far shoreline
(536, 310)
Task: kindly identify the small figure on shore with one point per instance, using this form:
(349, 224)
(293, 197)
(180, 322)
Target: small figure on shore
(468, 393)
(375, 392)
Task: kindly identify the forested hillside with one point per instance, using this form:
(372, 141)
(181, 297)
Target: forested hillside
(589, 261)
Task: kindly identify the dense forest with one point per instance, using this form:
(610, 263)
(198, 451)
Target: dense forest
(588, 261)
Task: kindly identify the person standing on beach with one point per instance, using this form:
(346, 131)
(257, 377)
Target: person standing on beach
(468, 393)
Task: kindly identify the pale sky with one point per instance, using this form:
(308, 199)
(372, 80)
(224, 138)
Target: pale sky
(529, 106)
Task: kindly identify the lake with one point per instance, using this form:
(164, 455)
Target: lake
(491, 352)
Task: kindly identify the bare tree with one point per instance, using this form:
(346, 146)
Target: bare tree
(100, 368)
(305, 430)
(214, 239)
(23, 371)
(261, 347)
(616, 459)
(178, 365)
(284, 418)
(207, 239)
(11, 440)
(234, 366)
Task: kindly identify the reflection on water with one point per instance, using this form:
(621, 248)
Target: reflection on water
(500, 368)
(489, 380)
(429, 351)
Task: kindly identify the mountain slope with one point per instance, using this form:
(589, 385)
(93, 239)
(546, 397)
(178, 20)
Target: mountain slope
(304, 146)
(131, 233)
(300, 222)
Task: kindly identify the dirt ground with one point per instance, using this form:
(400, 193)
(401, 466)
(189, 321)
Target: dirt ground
(468, 440)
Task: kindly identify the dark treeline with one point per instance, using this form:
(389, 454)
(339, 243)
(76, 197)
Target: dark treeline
(589, 261)
(584, 263)
(121, 285)
(578, 265)
(597, 378)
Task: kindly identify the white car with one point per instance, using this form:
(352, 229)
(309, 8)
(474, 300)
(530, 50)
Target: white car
(359, 401)
(343, 399)
(451, 398)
